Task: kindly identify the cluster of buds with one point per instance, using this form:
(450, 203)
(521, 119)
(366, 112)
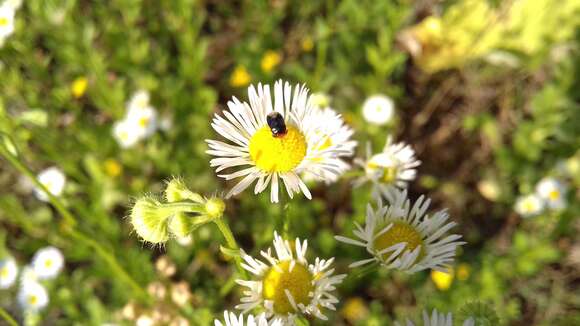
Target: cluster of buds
(181, 212)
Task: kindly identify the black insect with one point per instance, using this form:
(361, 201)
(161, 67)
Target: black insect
(276, 123)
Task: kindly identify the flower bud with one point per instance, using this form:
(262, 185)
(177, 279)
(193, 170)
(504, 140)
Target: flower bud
(181, 225)
(215, 207)
(177, 191)
(149, 220)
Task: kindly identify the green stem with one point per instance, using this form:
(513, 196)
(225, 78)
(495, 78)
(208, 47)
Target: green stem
(7, 317)
(224, 228)
(70, 223)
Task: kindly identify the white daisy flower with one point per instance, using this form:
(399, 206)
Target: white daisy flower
(286, 285)
(529, 205)
(53, 179)
(139, 100)
(143, 120)
(28, 275)
(32, 296)
(230, 319)
(401, 236)
(335, 131)
(8, 272)
(47, 263)
(6, 21)
(393, 168)
(274, 141)
(378, 109)
(438, 319)
(125, 133)
(553, 192)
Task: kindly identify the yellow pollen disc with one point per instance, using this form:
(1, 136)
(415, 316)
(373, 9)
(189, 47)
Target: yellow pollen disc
(143, 122)
(4, 272)
(554, 194)
(3, 21)
(47, 263)
(32, 300)
(277, 154)
(400, 232)
(529, 206)
(279, 278)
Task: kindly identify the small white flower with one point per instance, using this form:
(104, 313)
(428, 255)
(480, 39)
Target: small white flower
(553, 192)
(184, 241)
(273, 140)
(6, 21)
(393, 168)
(144, 120)
(28, 275)
(438, 319)
(139, 100)
(231, 319)
(529, 205)
(32, 296)
(286, 285)
(8, 272)
(53, 179)
(334, 132)
(125, 133)
(378, 109)
(47, 263)
(401, 236)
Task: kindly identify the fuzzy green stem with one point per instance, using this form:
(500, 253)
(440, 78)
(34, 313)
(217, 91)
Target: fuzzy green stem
(70, 224)
(224, 228)
(7, 317)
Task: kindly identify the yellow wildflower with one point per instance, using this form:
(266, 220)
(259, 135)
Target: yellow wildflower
(442, 280)
(79, 87)
(240, 77)
(270, 60)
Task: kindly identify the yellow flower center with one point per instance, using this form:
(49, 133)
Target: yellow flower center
(529, 206)
(298, 281)
(554, 195)
(48, 263)
(389, 173)
(400, 232)
(277, 154)
(3, 21)
(143, 122)
(32, 300)
(4, 272)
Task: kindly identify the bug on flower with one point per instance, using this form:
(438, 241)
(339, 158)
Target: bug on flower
(276, 123)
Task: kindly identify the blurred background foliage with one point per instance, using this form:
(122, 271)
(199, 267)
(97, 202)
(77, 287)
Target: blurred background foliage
(487, 93)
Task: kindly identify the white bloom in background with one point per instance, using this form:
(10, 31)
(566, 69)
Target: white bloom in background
(529, 205)
(53, 179)
(378, 109)
(335, 131)
(393, 168)
(139, 100)
(28, 275)
(274, 140)
(438, 319)
(125, 133)
(47, 263)
(286, 285)
(15, 4)
(32, 296)
(401, 236)
(6, 21)
(143, 121)
(8, 272)
(553, 192)
(231, 319)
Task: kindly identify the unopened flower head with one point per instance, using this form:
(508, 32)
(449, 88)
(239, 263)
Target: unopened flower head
(149, 221)
(32, 296)
(286, 285)
(530, 205)
(335, 132)
(7, 12)
(53, 180)
(404, 237)
(438, 319)
(8, 272)
(443, 280)
(378, 109)
(47, 263)
(231, 319)
(393, 168)
(274, 140)
(553, 192)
